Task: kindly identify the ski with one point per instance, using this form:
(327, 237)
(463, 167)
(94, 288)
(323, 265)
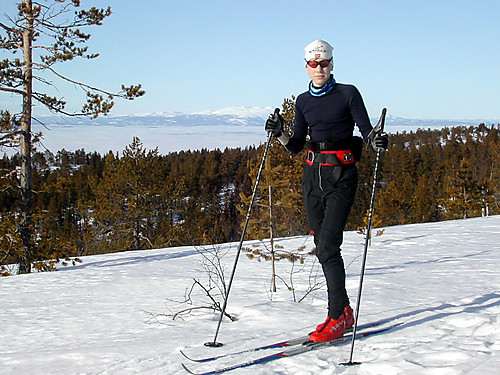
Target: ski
(281, 344)
(306, 347)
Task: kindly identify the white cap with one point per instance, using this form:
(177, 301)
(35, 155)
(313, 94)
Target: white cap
(318, 50)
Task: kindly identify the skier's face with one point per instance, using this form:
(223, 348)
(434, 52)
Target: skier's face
(319, 75)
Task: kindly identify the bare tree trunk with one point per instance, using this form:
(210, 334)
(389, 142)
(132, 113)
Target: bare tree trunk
(25, 225)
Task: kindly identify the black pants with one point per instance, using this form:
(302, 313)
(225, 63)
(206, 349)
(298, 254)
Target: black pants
(328, 204)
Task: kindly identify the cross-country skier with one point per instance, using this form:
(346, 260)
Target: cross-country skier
(327, 113)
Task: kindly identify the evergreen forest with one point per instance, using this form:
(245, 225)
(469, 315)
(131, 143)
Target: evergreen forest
(87, 203)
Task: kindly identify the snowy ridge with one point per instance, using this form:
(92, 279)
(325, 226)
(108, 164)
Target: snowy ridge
(243, 116)
(440, 280)
(243, 112)
(171, 132)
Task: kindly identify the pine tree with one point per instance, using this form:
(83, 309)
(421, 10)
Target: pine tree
(46, 29)
(126, 200)
(55, 220)
(424, 206)
(462, 195)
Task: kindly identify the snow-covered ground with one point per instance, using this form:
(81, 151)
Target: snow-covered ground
(107, 314)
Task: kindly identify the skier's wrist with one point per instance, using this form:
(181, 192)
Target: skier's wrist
(283, 138)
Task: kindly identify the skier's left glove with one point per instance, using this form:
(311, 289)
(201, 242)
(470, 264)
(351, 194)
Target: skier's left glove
(380, 142)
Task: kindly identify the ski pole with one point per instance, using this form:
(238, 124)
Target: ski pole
(214, 343)
(379, 128)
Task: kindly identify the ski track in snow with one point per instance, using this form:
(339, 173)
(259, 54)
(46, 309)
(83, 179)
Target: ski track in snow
(441, 280)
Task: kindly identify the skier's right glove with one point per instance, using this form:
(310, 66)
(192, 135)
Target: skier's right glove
(274, 124)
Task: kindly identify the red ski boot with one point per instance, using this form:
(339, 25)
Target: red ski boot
(330, 330)
(349, 317)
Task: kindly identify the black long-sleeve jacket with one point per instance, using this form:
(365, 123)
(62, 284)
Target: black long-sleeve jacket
(332, 116)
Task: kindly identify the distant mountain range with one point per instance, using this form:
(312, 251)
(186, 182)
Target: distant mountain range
(236, 116)
(169, 132)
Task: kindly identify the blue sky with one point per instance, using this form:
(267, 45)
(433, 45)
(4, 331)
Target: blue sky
(420, 59)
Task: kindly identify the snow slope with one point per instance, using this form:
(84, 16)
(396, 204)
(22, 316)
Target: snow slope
(104, 316)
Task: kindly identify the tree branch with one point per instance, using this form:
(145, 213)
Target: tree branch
(7, 28)
(15, 91)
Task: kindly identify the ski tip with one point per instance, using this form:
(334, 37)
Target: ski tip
(185, 355)
(187, 370)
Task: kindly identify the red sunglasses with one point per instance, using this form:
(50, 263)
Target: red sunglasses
(322, 63)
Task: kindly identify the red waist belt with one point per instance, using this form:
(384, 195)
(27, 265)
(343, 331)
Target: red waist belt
(330, 157)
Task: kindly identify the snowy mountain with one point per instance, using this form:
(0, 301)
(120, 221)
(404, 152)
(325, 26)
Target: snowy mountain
(109, 314)
(170, 132)
(234, 116)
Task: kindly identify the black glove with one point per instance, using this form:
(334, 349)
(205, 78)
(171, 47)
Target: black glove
(274, 124)
(380, 142)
